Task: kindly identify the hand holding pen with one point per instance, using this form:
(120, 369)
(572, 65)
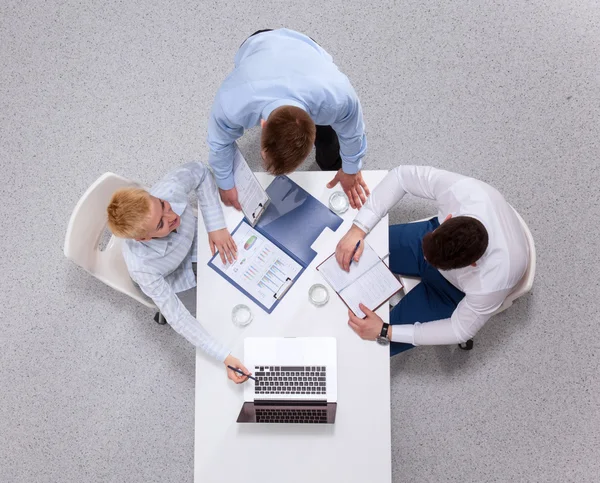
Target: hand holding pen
(241, 372)
(350, 247)
(354, 253)
(236, 370)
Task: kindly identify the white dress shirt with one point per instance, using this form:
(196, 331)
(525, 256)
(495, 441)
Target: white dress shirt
(496, 273)
(162, 267)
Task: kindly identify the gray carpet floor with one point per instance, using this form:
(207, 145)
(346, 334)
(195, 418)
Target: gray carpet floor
(92, 390)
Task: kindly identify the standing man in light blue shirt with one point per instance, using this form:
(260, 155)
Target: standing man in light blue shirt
(161, 234)
(284, 81)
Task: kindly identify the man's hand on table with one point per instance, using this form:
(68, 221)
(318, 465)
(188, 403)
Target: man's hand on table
(234, 376)
(354, 186)
(230, 198)
(222, 241)
(368, 328)
(345, 247)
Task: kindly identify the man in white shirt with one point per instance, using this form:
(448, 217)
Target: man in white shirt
(468, 264)
(160, 251)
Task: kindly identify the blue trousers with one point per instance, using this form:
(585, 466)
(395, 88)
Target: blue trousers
(434, 298)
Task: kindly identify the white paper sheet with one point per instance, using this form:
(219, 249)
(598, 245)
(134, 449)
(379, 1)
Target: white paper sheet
(372, 289)
(251, 194)
(339, 279)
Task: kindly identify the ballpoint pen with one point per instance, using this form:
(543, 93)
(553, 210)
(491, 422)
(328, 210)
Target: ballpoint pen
(241, 372)
(354, 252)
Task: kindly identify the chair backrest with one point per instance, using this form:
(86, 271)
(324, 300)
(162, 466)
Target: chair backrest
(526, 281)
(86, 227)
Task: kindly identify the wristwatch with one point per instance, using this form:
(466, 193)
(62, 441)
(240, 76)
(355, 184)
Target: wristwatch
(383, 338)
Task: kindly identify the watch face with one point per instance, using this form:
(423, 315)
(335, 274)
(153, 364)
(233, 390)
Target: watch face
(383, 340)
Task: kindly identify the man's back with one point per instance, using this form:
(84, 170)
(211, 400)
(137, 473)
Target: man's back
(282, 64)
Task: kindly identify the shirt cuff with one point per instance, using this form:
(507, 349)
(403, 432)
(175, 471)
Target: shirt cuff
(351, 167)
(361, 226)
(225, 183)
(222, 354)
(215, 225)
(404, 333)
(366, 219)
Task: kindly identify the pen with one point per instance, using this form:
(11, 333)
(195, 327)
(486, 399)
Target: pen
(241, 372)
(354, 252)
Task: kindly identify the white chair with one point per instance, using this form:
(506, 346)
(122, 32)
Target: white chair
(521, 288)
(86, 227)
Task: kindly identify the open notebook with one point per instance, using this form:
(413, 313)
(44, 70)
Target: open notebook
(369, 281)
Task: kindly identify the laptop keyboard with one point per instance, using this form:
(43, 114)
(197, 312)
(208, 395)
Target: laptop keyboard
(310, 380)
(291, 415)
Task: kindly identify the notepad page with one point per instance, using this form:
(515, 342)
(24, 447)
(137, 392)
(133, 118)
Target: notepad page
(372, 289)
(338, 278)
(251, 194)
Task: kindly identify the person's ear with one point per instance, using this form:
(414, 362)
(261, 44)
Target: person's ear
(474, 264)
(448, 217)
(262, 123)
(263, 154)
(143, 239)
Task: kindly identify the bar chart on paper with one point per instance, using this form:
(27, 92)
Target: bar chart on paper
(262, 268)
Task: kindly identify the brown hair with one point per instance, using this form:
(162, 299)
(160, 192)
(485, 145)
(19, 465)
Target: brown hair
(287, 138)
(456, 243)
(128, 213)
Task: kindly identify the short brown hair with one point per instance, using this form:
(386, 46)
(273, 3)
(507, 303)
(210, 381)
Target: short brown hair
(456, 243)
(128, 213)
(287, 139)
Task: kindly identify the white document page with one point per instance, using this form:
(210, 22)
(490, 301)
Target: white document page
(262, 269)
(372, 289)
(251, 194)
(339, 279)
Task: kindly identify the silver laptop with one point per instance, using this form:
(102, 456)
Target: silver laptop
(296, 380)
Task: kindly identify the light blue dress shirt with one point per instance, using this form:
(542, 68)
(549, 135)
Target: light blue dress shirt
(162, 267)
(278, 68)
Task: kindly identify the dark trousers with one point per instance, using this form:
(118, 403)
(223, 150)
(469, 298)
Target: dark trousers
(327, 145)
(434, 297)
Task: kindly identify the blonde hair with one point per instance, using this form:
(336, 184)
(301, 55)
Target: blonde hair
(128, 213)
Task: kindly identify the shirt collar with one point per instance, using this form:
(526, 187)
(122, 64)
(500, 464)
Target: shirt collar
(269, 108)
(159, 245)
(178, 207)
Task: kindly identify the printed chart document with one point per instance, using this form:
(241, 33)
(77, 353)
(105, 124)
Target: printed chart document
(262, 269)
(369, 281)
(252, 196)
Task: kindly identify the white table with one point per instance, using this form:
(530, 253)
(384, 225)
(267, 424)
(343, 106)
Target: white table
(357, 448)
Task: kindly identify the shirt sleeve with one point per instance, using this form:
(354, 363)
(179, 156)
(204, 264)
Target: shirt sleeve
(350, 129)
(422, 181)
(222, 134)
(210, 205)
(472, 312)
(178, 317)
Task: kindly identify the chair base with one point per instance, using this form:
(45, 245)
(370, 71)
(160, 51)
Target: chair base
(467, 346)
(159, 318)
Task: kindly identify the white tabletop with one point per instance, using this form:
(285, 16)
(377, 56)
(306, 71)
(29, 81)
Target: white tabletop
(354, 449)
